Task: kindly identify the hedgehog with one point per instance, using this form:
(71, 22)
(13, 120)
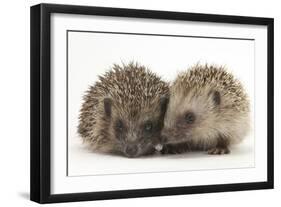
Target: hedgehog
(208, 110)
(123, 112)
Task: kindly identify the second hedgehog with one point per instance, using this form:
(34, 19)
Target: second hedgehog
(208, 110)
(124, 111)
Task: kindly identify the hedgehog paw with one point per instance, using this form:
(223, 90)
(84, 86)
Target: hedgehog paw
(218, 151)
(174, 149)
(168, 149)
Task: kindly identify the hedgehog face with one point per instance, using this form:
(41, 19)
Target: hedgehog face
(136, 137)
(135, 134)
(190, 116)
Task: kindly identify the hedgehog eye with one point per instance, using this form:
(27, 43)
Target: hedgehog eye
(119, 125)
(189, 117)
(148, 126)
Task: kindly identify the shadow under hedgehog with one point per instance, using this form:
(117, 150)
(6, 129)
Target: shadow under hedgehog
(208, 110)
(123, 112)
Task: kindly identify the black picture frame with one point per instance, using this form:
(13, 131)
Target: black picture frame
(41, 98)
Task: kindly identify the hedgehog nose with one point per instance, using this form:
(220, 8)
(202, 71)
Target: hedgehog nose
(131, 151)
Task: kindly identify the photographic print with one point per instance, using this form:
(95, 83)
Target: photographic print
(169, 111)
(133, 103)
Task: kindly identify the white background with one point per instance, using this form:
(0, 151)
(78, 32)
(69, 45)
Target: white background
(91, 54)
(15, 108)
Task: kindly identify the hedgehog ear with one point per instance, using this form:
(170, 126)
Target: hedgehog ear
(164, 100)
(216, 97)
(107, 106)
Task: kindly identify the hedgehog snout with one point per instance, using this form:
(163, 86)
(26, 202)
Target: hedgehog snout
(166, 135)
(131, 151)
(171, 135)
